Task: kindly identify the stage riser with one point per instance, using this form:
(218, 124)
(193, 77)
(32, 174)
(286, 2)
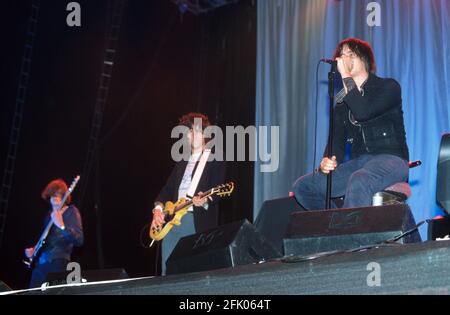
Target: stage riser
(404, 269)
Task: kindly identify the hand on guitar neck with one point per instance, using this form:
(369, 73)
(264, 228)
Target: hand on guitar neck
(57, 218)
(198, 201)
(29, 252)
(58, 209)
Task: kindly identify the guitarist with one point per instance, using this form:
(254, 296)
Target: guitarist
(204, 213)
(66, 232)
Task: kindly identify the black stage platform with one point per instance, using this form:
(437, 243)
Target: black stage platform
(422, 268)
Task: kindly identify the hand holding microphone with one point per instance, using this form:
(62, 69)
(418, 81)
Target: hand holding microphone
(344, 66)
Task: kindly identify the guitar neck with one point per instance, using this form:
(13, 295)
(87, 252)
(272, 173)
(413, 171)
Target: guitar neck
(189, 203)
(45, 233)
(64, 199)
(43, 237)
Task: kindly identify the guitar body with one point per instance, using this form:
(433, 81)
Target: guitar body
(169, 208)
(179, 209)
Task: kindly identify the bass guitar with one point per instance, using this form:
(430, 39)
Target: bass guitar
(41, 242)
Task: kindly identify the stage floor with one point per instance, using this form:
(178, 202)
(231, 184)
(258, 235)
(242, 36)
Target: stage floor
(422, 268)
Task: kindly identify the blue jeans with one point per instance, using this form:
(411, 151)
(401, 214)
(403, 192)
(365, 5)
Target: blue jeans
(176, 233)
(41, 271)
(357, 179)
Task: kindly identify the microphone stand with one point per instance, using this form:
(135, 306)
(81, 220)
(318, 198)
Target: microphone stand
(331, 75)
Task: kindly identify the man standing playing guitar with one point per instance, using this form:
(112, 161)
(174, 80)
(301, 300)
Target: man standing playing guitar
(203, 214)
(65, 231)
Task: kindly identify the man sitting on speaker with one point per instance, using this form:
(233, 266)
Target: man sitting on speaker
(368, 114)
(204, 213)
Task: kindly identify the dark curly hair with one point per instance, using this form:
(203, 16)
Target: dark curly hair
(188, 120)
(361, 48)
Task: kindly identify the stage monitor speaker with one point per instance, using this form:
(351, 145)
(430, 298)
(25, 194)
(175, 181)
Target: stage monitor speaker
(59, 278)
(273, 219)
(443, 174)
(230, 245)
(314, 232)
(438, 228)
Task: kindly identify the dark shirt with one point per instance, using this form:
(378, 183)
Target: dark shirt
(371, 120)
(59, 243)
(213, 175)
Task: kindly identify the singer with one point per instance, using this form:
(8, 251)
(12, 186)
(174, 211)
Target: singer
(369, 116)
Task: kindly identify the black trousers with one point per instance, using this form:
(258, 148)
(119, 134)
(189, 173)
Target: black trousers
(40, 271)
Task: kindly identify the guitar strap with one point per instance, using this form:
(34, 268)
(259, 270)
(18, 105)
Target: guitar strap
(198, 174)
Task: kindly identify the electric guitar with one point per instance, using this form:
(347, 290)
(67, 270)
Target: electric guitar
(180, 208)
(41, 242)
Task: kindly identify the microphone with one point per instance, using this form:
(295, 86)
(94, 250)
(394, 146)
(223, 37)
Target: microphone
(330, 61)
(414, 164)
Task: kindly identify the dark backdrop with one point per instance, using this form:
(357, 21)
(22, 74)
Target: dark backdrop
(167, 64)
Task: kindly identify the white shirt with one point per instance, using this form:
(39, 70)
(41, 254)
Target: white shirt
(187, 177)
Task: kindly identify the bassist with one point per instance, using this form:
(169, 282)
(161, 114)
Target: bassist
(65, 233)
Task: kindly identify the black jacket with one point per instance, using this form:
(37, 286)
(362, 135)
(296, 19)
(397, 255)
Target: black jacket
(377, 118)
(213, 175)
(59, 243)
